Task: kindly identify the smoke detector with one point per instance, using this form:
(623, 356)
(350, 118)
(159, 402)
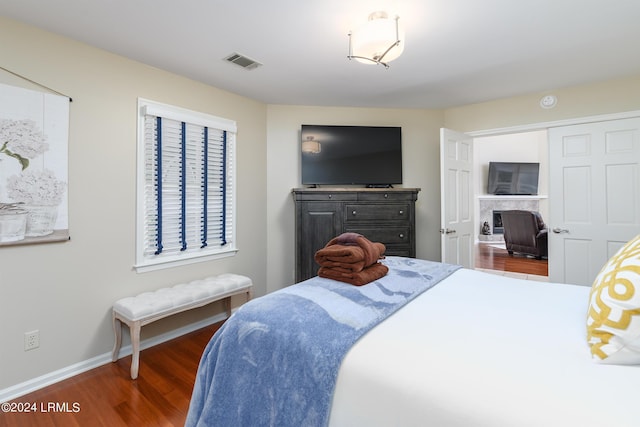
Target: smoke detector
(548, 101)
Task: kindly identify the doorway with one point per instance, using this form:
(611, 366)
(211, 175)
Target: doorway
(528, 147)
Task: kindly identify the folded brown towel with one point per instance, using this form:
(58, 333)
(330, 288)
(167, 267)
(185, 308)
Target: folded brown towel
(350, 248)
(340, 253)
(369, 274)
(347, 267)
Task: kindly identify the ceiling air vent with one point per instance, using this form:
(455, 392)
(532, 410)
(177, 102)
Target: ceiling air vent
(243, 61)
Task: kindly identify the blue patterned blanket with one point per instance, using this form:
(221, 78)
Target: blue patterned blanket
(276, 360)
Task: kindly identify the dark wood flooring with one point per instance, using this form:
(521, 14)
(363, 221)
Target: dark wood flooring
(106, 396)
(493, 258)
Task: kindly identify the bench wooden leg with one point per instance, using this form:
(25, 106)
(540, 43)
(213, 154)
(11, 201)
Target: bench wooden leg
(135, 345)
(226, 303)
(117, 330)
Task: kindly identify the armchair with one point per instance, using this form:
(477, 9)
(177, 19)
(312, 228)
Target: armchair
(525, 232)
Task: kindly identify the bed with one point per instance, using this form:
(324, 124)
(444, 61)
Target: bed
(461, 348)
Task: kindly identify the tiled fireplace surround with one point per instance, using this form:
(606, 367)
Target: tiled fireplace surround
(502, 203)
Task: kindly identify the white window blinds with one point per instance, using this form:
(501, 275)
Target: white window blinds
(188, 191)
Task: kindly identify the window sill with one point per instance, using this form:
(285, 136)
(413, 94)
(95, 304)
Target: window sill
(154, 265)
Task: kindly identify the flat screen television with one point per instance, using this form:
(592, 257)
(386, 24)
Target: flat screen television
(511, 178)
(360, 155)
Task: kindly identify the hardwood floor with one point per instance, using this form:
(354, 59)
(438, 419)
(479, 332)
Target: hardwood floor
(106, 396)
(493, 258)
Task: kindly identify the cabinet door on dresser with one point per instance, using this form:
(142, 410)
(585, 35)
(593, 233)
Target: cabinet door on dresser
(316, 224)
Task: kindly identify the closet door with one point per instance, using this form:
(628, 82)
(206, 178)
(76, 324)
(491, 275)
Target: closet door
(594, 196)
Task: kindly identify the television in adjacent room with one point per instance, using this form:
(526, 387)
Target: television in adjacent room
(351, 155)
(512, 178)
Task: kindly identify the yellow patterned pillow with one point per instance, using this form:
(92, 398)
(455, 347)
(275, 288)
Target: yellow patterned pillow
(613, 322)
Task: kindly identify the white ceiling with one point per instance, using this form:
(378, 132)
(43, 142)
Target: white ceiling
(456, 51)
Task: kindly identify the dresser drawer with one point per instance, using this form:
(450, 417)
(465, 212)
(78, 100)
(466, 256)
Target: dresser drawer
(338, 196)
(386, 196)
(377, 212)
(386, 235)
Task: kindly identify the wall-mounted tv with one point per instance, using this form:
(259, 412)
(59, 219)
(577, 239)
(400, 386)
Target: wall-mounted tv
(511, 178)
(359, 155)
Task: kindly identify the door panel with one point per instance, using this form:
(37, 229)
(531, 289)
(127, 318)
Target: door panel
(577, 195)
(621, 196)
(452, 202)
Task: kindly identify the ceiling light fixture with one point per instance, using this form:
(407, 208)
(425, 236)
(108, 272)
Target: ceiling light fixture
(311, 146)
(378, 41)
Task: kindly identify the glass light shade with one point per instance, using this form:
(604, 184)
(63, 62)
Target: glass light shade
(372, 40)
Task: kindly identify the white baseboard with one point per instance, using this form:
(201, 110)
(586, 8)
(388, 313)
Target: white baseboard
(42, 381)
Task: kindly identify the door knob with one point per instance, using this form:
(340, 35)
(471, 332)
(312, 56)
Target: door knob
(560, 230)
(446, 231)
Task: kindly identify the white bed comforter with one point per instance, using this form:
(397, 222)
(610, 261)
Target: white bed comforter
(485, 350)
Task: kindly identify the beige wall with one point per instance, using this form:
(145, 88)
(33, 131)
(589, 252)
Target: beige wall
(66, 290)
(580, 101)
(421, 165)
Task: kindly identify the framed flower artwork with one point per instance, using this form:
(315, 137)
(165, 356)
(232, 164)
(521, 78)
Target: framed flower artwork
(34, 132)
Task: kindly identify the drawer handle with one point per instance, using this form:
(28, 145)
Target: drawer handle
(401, 212)
(401, 235)
(330, 196)
(386, 196)
(353, 213)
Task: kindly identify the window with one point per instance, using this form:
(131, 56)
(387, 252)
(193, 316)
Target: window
(186, 186)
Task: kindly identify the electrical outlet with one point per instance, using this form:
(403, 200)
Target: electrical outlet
(31, 340)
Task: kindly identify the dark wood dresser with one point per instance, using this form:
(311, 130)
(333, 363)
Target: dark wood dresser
(381, 215)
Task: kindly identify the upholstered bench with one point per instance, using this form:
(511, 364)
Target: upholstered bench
(151, 306)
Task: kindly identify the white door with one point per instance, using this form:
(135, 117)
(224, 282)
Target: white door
(594, 196)
(456, 198)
